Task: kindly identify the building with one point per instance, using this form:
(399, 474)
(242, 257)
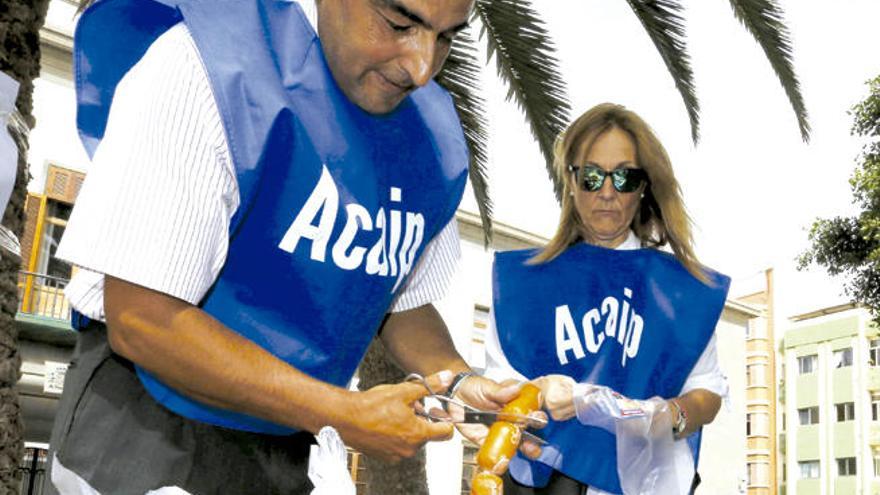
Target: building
(761, 387)
(832, 403)
(46, 338)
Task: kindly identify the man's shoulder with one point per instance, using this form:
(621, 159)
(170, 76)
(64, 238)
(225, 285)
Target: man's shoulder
(174, 49)
(177, 37)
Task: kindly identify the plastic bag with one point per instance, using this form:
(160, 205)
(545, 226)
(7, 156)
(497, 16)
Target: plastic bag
(8, 159)
(649, 459)
(328, 465)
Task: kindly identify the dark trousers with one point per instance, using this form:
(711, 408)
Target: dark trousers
(111, 432)
(559, 484)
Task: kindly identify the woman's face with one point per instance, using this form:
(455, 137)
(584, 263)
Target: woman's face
(606, 214)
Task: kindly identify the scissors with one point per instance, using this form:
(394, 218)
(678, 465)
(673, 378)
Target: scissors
(473, 415)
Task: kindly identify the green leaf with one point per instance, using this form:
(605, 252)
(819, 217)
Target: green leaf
(665, 26)
(524, 55)
(764, 20)
(461, 77)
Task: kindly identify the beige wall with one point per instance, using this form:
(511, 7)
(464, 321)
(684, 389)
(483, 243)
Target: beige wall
(723, 459)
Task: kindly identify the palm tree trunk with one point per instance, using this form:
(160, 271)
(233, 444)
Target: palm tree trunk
(20, 23)
(382, 478)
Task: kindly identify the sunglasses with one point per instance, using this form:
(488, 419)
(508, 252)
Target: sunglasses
(625, 180)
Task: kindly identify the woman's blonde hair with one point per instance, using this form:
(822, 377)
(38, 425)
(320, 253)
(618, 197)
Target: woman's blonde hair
(661, 217)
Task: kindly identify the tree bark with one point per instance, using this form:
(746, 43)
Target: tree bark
(20, 23)
(408, 476)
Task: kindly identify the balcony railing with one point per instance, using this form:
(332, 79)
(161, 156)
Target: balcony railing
(874, 379)
(874, 434)
(33, 471)
(42, 295)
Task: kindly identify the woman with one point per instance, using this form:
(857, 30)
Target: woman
(618, 334)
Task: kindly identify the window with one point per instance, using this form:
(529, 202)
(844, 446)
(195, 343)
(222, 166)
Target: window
(33, 469)
(874, 352)
(808, 364)
(57, 214)
(809, 415)
(875, 408)
(477, 350)
(759, 474)
(809, 469)
(756, 424)
(846, 411)
(846, 466)
(757, 329)
(843, 357)
(755, 375)
(469, 466)
(877, 467)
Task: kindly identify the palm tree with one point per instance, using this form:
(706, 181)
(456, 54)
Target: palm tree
(517, 39)
(20, 23)
(525, 61)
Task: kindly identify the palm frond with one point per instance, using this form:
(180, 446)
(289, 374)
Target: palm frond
(764, 20)
(461, 77)
(663, 21)
(525, 59)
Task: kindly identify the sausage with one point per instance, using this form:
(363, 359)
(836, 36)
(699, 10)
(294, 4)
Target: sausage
(486, 483)
(502, 442)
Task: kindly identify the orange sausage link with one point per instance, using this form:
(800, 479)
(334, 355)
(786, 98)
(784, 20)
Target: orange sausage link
(528, 401)
(499, 448)
(486, 483)
(503, 439)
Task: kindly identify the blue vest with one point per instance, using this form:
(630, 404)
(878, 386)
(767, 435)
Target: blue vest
(337, 204)
(635, 321)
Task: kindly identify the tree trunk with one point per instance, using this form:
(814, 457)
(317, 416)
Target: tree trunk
(408, 476)
(20, 23)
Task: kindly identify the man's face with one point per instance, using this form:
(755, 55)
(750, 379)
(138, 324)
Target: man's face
(379, 51)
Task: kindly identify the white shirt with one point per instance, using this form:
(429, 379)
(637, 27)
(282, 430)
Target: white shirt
(156, 205)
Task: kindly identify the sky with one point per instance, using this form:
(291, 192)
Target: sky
(751, 185)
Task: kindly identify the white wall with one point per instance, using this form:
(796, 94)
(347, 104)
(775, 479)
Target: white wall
(723, 455)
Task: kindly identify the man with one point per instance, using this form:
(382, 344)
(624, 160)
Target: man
(258, 199)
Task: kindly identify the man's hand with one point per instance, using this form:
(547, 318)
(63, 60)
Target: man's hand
(382, 421)
(558, 391)
(489, 395)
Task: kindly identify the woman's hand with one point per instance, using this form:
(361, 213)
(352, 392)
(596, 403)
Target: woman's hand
(489, 395)
(557, 391)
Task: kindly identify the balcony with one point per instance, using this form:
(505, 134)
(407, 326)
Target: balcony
(874, 434)
(874, 378)
(43, 311)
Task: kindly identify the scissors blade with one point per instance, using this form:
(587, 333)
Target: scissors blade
(489, 417)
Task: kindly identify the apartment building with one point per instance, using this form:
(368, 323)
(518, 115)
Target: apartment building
(832, 403)
(762, 467)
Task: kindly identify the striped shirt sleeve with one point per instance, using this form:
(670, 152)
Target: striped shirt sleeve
(155, 207)
(433, 273)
